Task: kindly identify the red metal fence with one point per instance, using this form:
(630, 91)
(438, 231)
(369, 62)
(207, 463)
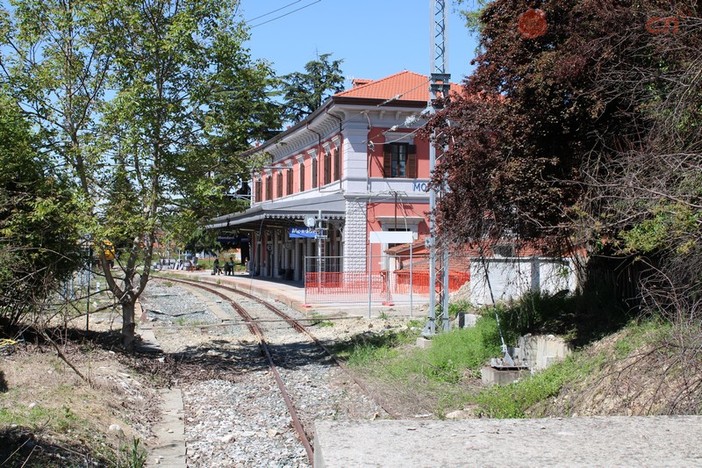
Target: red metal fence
(345, 287)
(325, 280)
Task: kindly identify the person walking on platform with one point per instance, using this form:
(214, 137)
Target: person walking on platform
(216, 270)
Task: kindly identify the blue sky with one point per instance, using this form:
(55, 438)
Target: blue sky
(375, 38)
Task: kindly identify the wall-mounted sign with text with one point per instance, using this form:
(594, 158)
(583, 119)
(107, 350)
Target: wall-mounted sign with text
(301, 233)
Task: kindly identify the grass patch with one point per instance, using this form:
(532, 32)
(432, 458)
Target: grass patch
(516, 400)
(368, 348)
(450, 356)
(319, 321)
(61, 420)
(580, 318)
(638, 334)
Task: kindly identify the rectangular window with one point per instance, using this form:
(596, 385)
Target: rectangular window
(289, 182)
(400, 160)
(258, 190)
(327, 168)
(269, 188)
(337, 164)
(302, 177)
(314, 173)
(279, 184)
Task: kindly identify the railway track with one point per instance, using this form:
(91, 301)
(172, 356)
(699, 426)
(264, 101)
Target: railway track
(257, 327)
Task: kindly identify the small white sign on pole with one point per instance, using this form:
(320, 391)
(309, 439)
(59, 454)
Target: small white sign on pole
(391, 237)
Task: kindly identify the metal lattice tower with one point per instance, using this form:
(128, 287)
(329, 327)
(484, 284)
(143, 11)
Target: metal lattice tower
(439, 87)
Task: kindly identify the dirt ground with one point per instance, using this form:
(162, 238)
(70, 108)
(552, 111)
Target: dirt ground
(59, 418)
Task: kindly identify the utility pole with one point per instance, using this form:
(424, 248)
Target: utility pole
(439, 87)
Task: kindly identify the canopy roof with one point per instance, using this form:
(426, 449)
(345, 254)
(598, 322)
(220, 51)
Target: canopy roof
(291, 212)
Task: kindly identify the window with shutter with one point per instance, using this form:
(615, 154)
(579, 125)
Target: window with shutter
(400, 160)
(289, 182)
(269, 188)
(337, 164)
(258, 190)
(327, 168)
(302, 177)
(411, 162)
(279, 184)
(314, 173)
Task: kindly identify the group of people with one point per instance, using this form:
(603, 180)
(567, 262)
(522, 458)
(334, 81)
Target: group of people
(228, 267)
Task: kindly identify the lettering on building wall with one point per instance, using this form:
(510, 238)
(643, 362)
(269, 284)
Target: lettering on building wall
(420, 187)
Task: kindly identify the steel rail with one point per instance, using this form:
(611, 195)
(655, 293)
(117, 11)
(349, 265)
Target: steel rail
(256, 330)
(300, 328)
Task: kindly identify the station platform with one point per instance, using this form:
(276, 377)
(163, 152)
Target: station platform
(292, 294)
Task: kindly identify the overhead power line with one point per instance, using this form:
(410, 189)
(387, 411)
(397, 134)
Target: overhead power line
(283, 16)
(273, 11)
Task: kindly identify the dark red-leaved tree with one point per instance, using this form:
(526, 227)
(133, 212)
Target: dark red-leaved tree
(549, 111)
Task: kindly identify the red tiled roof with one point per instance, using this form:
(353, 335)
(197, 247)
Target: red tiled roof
(402, 86)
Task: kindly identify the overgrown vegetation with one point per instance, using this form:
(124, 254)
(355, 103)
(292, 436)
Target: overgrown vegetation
(445, 376)
(515, 400)
(422, 381)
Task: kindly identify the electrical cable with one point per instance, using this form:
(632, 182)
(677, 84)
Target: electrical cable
(286, 14)
(272, 11)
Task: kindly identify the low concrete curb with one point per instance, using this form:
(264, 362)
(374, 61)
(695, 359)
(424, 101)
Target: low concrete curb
(170, 450)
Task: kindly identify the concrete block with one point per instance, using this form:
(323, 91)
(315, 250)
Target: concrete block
(540, 351)
(492, 376)
(466, 320)
(423, 342)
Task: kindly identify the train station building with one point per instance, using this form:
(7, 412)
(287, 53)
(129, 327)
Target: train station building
(353, 167)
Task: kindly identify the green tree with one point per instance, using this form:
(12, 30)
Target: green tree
(303, 93)
(38, 227)
(159, 149)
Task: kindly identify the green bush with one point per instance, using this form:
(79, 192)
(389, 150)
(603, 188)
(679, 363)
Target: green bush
(459, 306)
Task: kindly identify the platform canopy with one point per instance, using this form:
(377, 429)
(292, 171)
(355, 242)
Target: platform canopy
(290, 212)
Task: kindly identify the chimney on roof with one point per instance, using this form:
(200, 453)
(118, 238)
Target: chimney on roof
(356, 82)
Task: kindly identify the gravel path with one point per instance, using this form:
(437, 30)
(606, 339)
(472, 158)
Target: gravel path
(234, 413)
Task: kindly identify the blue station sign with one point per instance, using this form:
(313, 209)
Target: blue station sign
(301, 233)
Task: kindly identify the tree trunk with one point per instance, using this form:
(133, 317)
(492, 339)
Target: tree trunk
(128, 324)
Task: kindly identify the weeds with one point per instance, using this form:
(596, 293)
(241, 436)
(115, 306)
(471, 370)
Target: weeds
(450, 356)
(459, 306)
(514, 400)
(61, 420)
(319, 321)
(132, 455)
